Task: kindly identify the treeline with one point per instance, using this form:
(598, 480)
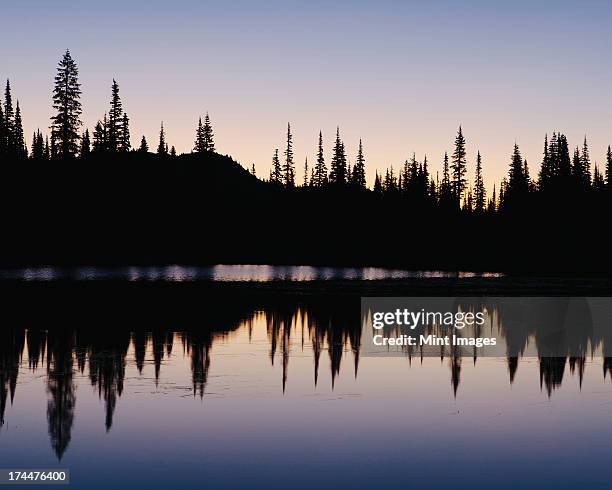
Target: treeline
(562, 171)
(148, 205)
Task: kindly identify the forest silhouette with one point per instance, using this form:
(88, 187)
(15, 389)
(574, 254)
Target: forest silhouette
(80, 197)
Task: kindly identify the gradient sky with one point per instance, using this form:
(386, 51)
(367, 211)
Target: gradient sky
(400, 75)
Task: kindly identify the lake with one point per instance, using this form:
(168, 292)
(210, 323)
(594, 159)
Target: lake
(227, 273)
(250, 391)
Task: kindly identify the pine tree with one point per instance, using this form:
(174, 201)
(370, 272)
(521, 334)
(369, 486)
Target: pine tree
(53, 153)
(306, 172)
(47, 149)
(20, 148)
(66, 95)
(546, 170)
(253, 173)
(459, 166)
(599, 184)
(585, 162)
(125, 144)
(609, 168)
(99, 136)
(517, 186)
(337, 173)
(85, 145)
(172, 151)
(3, 143)
(33, 152)
(493, 202)
(144, 147)
(446, 191)
(209, 143)
(378, 190)
(358, 177)
(424, 179)
(9, 120)
(276, 174)
(162, 148)
(320, 173)
(289, 167)
(115, 120)
(577, 172)
(526, 176)
(38, 146)
(199, 145)
(479, 189)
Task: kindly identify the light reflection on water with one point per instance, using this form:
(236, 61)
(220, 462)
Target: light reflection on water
(242, 273)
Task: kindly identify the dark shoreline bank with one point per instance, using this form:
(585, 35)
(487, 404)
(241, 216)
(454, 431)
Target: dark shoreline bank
(438, 286)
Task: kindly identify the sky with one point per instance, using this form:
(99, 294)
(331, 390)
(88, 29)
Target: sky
(400, 75)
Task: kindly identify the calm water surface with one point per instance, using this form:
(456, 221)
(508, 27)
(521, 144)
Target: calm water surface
(280, 397)
(259, 273)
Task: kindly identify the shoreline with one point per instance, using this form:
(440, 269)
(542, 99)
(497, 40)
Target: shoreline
(438, 286)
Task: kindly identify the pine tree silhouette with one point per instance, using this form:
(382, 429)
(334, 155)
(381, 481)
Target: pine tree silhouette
(199, 144)
(289, 167)
(599, 184)
(100, 136)
(85, 145)
(459, 166)
(162, 147)
(115, 120)
(66, 95)
(609, 168)
(585, 161)
(276, 174)
(144, 147)
(9, 120)
(306, 172)
(38, 146)
(20, 148)
(209, 143)
(337, 173)
(480, 194)
(320, 171)
(125, 144)
(378, 190)
(358, 177)
(3, 134)
(493, 202)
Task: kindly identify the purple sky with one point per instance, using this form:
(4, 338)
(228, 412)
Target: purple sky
(400, 75)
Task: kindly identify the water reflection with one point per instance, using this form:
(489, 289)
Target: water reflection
(225, 273)
(323, 330)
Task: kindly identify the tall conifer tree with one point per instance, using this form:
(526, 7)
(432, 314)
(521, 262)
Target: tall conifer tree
(337, 173)
(609, 168)
(209, 143)
(289, 167)
(358, 177)
(66, 102)
(199, 144)
(115, 120)
(85, 145)
(9, 120)
(162, 147)
(126, 144)
(459, 166)
(320, 173)
(480, 194)
(276, 174)
(20, 148)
